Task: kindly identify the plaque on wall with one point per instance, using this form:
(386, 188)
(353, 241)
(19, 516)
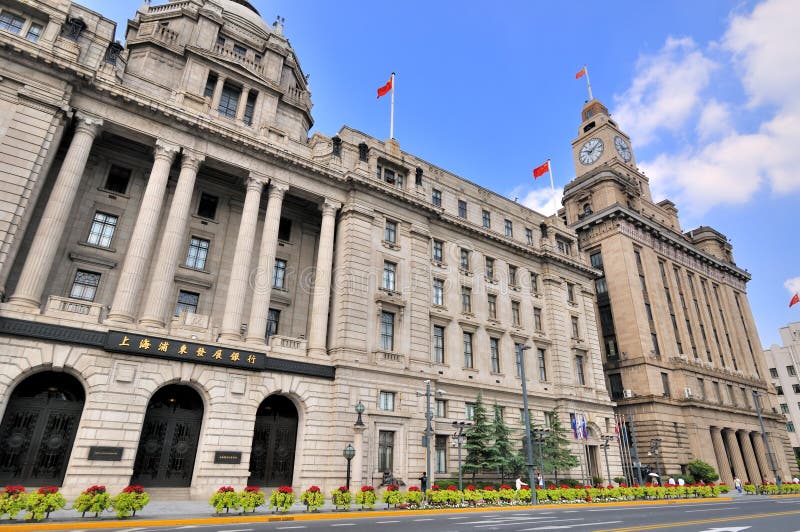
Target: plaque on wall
(227, 457)
(106, 454)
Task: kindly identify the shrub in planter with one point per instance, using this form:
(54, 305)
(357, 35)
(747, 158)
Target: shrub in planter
(366, 497)
(39, 505)
(392, 495)
(453, 496)
(312, 498)
(12, 501)
(95, 500)
(413, 496)
(251, 498)
(341, 498)
(129, 501)
(490, 495)
(471, 495)
(226, 498)
(507, 494)
(523, 495)
(281, 499)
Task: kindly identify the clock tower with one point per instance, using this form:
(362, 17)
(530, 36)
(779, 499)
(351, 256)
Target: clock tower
(600, 141)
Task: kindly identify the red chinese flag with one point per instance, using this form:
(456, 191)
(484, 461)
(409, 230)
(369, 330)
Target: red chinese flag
(795, 300)
(539, 171)
(385, 89)
(581, 73)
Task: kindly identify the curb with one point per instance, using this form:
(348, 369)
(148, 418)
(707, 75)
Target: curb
(127, 523)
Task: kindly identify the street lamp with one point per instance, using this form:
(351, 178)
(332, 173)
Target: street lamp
(348, 453)
(521, 364)
(360, 410)
(606, 442)
(428, 418)
(772, 465)
(459, 437)
(540, 435)
(655, 443)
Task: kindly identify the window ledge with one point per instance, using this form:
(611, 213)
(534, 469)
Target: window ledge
(390, 245)
(438, 263)
(204, 219)
(117, 194)
(491, 280)
(463, 271)
(96, 246)
(189, 268)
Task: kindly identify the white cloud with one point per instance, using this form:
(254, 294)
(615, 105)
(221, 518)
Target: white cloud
(792, 285)
(715, 120)
(541, 199)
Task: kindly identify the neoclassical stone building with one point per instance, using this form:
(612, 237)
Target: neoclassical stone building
(196, 293)
(783, 362)
(680, 347)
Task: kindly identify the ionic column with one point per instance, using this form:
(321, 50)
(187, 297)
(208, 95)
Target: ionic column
(56, 214)
(736, 454)
(217, 92)
(749, 457)
(160, 293)
(318, 324)
(139, 250)
(761, 456)
(257, 326)
(240, 108)
(357, 471)
(722, 457)
(237, 287)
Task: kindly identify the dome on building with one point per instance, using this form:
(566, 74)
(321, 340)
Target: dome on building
(242, 10)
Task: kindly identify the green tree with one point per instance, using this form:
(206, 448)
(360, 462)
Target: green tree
(555, 448)
(478, 437)
(701, 471)
(502, 457)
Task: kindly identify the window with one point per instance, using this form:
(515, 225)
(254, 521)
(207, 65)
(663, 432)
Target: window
(285, 229)
(575, 330)
(239, 49)
(570, 292)
(701, 388)
(117, 179)
(654, 339)
(494, 353)
(529, 236)
(615, 386)
(386, 401)
(534, 282)
(784, 408)
(198, 252)
(388, 275)
(385, 450)
(84, 286)
(211, 84)
(509, 228)
(469, 411)
(515, 313)
(490, 268)
(541, 357)
(273, 319)
(390, 232)
(34, 32)
(229, 100)
(220, 41)
(187, 302)
(207, 206)
(512, 275)
(487, 219)
(438, 344)
(258, 58)
(717, 394)
(779, 390)
(665, 384)
(438, 292)
(492, 300)
(791, 371)
(731, 397)
(436, 197)
(462, 209)
(468, 360)
(10, 22)
(279, 275)
(789, 427)
(466, 299)
(441, 408)
(579, 370)
(441, 453)
(250, 107)
(773, 372)
(387, 331)
(564, 246)
(796, 388)
(102, 229)
(499, 412)
(464, 259)
(537, 319)
(438, 253)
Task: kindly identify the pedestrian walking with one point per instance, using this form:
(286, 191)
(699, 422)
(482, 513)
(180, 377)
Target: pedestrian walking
(738, 484)
(423, 482)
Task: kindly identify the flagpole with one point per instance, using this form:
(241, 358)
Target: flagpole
(588, 83)
(391, 116)
(552, 187)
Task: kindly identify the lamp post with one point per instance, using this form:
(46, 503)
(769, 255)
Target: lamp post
(540, 435)
(428, 418)
(459, 438)
(521, 364)
(360, 410)
(655, 443)
(772, 465)
(358, 442)
(606, 442)
(348, 453)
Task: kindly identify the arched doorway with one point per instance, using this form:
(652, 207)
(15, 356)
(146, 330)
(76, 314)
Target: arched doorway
(274, 441)
(168, 444)
(39, 428)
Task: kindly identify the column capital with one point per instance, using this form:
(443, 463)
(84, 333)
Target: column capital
(166, 150)
(329, 207)
(192, 159)
(255, 183)
(277, 189)
(88, 123)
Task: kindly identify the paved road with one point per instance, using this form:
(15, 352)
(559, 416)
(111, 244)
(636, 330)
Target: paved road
(739, 515)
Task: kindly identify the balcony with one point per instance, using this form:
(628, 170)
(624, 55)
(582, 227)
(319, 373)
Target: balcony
(73, 309)
(287, 345)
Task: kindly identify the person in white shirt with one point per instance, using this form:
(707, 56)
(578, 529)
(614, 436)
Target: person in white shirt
(671, 481)
(521, 484)
(681, 482)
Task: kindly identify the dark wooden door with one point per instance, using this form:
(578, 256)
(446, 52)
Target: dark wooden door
(274, 443)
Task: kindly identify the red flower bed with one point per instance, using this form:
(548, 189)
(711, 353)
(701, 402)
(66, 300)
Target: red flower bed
(505, 487)
(252, 489)
(367, 488)
(285, 489)
(392, 487)
(95, 490)
(46, 490)
(315, 489)
(470, 487)
(225, 489)
(413, 488)
(344, 489)
(133, 489)
(15, 490)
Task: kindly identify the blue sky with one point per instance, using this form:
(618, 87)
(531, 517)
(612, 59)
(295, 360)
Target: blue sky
(708, 91)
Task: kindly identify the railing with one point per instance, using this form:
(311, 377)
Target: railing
(229, 55)
(299, 95)
(66, 307)
(165, 35)
(175, 6)
(288, 344)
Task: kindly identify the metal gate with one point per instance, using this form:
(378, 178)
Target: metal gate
(274, 441)
(39, 428)
(168, 444)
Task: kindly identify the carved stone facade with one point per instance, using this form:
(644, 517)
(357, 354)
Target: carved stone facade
(188, 278)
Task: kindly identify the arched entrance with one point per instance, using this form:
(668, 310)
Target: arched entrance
(274, 441)
(168, 443)
(38, 429)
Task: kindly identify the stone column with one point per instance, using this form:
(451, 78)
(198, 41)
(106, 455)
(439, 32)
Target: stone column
(318, 324)
(761, 456)
(357, 471)
(242, 104)
(257, 326)
(54, 220)
(237, 287)
(723, 466)
(137, 259)
(160, 293)
(217, 92)
(736, 454)
(749, 457)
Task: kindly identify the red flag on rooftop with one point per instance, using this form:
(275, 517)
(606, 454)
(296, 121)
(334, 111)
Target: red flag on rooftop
(581, 73)
(386, 88)
(795, 300)
(539, 171)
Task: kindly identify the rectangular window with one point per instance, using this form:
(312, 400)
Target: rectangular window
(468, 360)
(796, 388)
(187, 302)
(466, 299)
(784, 408)
(11, 22)
(250, 107)
(84, 286)
(441, 408)
(285, 229)
(34, 32)
(438, 292)
(494, 353)
(389, 269)
(575, 330)
(211, 84)
(279, 275)
(469, 411)
(489, 268)
(441, 453)
(462, 209)
(438, 344)
(385, 450)
(515, 319)
(665, 384)
(390, 232)
(387, 331)
(229, 100)
(615, 386)
(273, 320)
(570, 292)
(487, 219)
(436, 197)
(198, 252)
(512, 275)
(386, 401)
(773, 372)
(579, 370)
(534, 282)
(791, 371)
(239, 49)
(541, 356)
(790, 427)
(102, 230)
(220, 41)
(438, 250)
(731, 397)
(717, 394)
(117, 179)
(537, 319)
(701, 388)
(509, 228)
(564, 246)
(656, 349)
(207, 206)
(492, 300)
(529, 236)
(779, 390)
(464, 259)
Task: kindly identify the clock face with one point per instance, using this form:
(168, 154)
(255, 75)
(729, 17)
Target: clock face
(622, 148)
(591, 151)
